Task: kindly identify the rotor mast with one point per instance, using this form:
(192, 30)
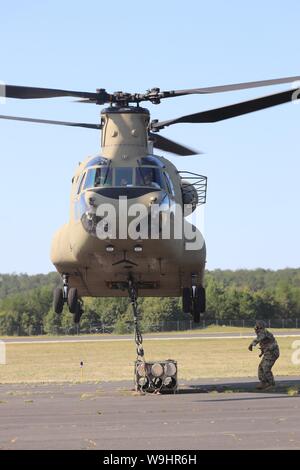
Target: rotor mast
(124, 132)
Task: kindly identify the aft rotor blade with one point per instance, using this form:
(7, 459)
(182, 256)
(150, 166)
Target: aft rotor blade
(232, 87)
(47, 121)
(24, 92)
(238, 109)
(162, 143)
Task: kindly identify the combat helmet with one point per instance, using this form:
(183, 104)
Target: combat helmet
(259, 325)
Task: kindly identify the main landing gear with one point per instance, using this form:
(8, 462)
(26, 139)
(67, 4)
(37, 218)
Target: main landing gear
(194, 301)
(68, 295)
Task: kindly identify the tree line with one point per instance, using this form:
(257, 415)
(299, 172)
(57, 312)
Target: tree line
(26, 302)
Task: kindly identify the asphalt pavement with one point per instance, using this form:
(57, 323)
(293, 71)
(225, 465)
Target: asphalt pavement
(207, 414)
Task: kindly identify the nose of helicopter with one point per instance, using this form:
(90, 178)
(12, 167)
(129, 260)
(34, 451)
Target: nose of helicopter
(123, 206)
(119, 197)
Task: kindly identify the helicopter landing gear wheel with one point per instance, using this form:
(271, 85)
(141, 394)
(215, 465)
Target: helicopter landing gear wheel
(201, 298)
(198, 303)
(72, 299)
(186, 300)
(78, 312)
(58, 300)
(196, 310)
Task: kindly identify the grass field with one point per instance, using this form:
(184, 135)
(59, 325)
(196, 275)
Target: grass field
(207, 330)
(106, 361)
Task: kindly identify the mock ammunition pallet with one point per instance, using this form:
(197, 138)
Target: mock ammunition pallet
(156, 377)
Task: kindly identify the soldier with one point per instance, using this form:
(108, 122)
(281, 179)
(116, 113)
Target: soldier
(269, 353)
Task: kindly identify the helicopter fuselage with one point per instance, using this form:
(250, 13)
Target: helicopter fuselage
(127, 182)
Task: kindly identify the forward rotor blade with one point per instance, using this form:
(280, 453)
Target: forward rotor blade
(238, 109)
(232, 87)
(162, 143)
(46, 121)
(24, 92)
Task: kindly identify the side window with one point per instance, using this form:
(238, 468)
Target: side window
(81, 179)
(90, 179)
(169, 184)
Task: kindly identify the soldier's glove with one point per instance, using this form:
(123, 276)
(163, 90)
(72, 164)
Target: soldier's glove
(250, 347)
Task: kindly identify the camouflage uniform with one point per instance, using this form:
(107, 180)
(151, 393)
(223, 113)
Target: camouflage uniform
(270, 352)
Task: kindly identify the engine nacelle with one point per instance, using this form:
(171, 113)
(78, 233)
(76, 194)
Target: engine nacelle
(189, 197)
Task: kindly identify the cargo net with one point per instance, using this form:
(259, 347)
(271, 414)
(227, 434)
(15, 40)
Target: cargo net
(156, 377)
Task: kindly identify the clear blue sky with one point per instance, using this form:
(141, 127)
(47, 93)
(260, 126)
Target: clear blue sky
(252, 162)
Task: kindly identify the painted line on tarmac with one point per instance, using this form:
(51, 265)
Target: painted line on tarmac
(171, 338)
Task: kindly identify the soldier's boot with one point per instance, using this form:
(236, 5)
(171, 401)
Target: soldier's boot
(261, 386)
(267, 386)
(270, 379)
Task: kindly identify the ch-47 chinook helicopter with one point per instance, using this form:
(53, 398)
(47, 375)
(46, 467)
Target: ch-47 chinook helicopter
(127, 168)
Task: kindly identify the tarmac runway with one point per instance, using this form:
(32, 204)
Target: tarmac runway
(207, 414)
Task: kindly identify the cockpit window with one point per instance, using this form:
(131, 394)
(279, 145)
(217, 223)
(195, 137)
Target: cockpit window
(123, 176)
(97, 161)
(147, 176)
(104, 176)
(98, 177)
(152, 160)
(80, 181)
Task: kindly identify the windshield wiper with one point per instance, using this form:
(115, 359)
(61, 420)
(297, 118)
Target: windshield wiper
(141, 173)
(107, 171)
